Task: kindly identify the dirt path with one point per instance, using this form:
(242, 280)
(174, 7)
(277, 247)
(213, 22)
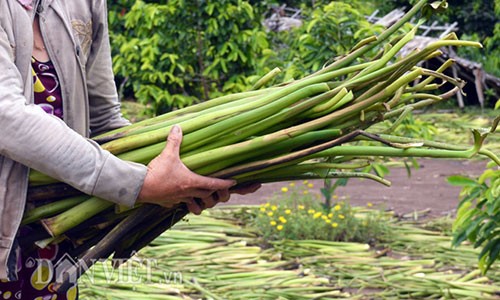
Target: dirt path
(426, 189)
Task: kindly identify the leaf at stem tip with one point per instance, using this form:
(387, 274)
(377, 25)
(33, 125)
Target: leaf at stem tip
(495, 123)
(434, 7)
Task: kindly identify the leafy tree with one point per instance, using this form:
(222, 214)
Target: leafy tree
(329, 30)
(174, 53)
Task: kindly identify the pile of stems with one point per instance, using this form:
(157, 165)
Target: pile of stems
(288, 131)
(214, 256)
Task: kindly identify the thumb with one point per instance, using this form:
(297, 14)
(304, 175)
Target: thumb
(174, 141)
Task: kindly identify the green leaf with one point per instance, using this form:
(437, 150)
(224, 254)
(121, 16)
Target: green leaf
(458, 180)
(408, 168)
(494, 252)
(210, 8)
(459, 238)
(262, 41)
(436, 6)
(381, 170)
(311, 25)
(489, 254)
(463, 215)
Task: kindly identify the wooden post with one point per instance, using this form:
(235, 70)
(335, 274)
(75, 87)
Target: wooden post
(478, 81)
(460, 97)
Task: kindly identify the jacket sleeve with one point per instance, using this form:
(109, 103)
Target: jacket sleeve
(45, 143)
(105, 112)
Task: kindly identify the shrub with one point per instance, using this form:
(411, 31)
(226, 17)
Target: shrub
(478, 216)
(297, 214)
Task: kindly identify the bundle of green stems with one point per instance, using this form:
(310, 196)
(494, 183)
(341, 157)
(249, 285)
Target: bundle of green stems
(287, 131)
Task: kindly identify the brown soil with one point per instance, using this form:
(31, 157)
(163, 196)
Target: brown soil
(427, 188)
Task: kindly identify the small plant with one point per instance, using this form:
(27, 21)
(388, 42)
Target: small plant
(329, 187)
(297, 214)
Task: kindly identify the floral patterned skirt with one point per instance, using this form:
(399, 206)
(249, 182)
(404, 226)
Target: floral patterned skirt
(36, 275)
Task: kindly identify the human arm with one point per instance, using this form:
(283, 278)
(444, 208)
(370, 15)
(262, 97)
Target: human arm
(43, 142)
(168, 181)
(104, 110)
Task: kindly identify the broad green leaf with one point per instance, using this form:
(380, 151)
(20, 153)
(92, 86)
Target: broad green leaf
(311, 25)
(458, 238)
(488, 174)
(459, 180)
(494, 252)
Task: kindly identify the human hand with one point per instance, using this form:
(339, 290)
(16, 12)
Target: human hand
(169, 182)
(196, 206)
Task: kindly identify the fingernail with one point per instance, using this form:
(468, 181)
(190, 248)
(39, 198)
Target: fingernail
(176, 129)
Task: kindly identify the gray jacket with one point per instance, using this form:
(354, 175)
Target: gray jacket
(76, 37)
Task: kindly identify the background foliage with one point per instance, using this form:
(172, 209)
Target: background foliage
(173, 53)
(478, 20)
(222, 47)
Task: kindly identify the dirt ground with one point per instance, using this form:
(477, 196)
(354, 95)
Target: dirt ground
(426, 189)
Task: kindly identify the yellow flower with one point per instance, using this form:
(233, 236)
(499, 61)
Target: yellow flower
(305, 182)
(288, 211)
(284, 189)
(324, 217)
(310, 185)
(337, 207)
(274, 207)
(328, 221)
(267, 204)
(262, 209)
(301, 207)
(305, 192)
(330, 215)
(282, 219)
(270, 213)
(273, 223)
(335, 197)
(341, 217)
(335, 225)
(311, 211)
(369, 204)
(279, 227)
(292, 184)
(317, 215)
